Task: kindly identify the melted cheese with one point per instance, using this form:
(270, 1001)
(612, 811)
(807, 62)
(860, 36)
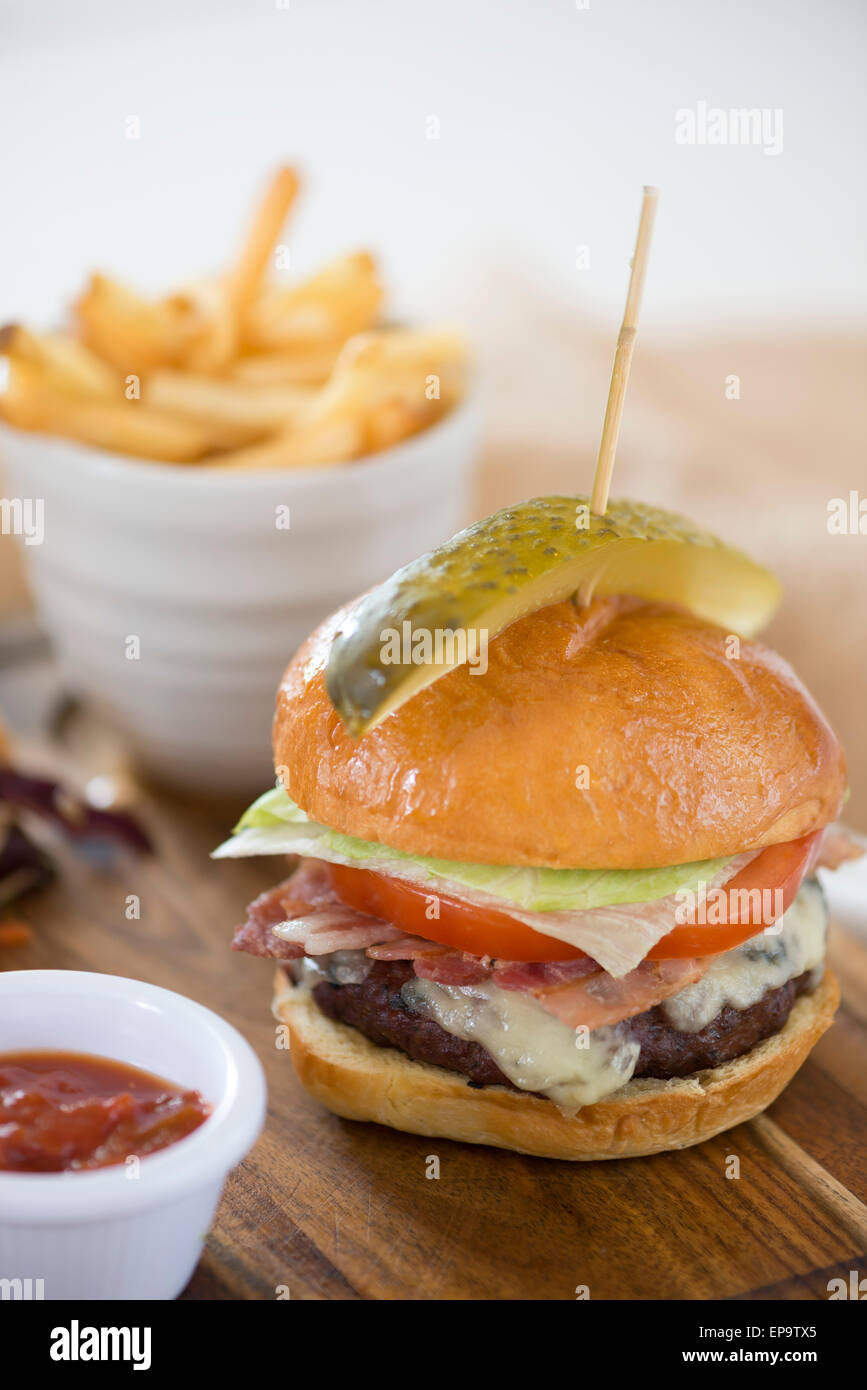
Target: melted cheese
(532, 1048)
(539, 1053)
(741, 977)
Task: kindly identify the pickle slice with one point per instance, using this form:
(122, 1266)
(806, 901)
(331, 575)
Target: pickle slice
(519, 560)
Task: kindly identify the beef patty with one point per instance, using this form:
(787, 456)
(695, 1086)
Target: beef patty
(377, 1009)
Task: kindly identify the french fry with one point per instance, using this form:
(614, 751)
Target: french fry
(233, 370)
(210, 337)
(131, 333)
(212, 309)
(391, 422)
(390, 349)
(308, 368)
(421, 373)
(251, 410)
(392, 383)
(123, 427)
(67, 363)
(342, 299)
(243, 280)
(309, 446)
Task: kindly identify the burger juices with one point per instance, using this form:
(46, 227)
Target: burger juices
(558, 817)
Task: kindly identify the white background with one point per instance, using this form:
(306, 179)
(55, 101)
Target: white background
(551, 119)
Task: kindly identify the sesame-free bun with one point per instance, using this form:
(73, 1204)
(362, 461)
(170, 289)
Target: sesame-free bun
(623, 735)
(359, 1081)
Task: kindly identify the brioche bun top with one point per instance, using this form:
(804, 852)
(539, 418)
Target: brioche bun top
(622, 735)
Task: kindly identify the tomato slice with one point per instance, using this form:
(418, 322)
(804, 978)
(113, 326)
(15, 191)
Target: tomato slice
(778, 868)
(485, 931)
(478, 930)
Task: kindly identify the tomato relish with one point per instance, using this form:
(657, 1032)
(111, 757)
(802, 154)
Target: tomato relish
(69, 1111)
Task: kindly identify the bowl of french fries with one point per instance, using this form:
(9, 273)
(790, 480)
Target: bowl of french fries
(214, 471)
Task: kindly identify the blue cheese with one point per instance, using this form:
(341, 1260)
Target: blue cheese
(795, 944)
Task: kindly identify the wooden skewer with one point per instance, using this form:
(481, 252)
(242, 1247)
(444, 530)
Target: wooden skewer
(623, 357)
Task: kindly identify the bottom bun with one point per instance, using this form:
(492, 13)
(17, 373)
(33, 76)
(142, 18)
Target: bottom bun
(359, 1081)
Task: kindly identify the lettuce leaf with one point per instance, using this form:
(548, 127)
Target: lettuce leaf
(275, 825)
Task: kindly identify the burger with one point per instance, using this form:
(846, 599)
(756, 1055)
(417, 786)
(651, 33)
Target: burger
(554, 816)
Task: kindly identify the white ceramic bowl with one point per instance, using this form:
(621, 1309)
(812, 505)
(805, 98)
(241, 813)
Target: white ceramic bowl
(191, 562)
(103, 1234)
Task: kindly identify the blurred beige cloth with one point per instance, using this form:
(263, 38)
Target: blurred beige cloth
(759, 470)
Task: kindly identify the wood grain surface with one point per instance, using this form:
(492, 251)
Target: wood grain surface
(330, 1209)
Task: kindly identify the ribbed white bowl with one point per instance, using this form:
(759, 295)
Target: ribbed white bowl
(192, 563)
(110, 1233)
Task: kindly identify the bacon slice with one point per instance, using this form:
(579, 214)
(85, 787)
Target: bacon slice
(454, 969)
(531, 977)
(600, 998)
(256, 936)
(407, 948)
(319, 922)
(330, 929)
(304, 916)
(431, 961)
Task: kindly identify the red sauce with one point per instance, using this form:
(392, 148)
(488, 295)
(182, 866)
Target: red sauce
(63, 1111)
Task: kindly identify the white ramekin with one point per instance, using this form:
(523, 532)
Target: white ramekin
(105, 1234)
(174, 600)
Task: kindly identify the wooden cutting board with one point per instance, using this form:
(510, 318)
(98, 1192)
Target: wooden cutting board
(327, 1209)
